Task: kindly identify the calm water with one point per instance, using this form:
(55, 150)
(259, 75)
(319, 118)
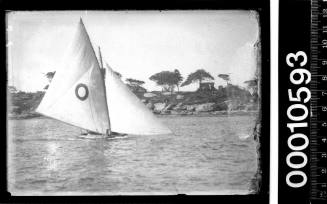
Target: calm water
(205, 155)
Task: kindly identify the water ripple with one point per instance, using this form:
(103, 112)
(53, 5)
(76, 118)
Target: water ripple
(206, 154)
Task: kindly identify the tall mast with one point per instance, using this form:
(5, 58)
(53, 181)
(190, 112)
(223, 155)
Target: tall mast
(102, 69)
(103, 72)
(100, 58)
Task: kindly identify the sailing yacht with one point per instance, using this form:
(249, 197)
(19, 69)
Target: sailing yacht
(82, 96)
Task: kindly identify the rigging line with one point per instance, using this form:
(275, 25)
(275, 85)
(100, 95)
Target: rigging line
(100, 58)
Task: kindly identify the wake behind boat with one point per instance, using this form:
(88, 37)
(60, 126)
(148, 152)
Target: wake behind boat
(83, 95)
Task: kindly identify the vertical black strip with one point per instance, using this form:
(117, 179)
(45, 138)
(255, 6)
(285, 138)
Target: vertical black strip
(294, 36)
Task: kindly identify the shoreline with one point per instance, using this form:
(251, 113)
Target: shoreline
(212, 114)
(175, 114)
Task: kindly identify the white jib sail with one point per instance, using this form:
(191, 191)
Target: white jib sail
(126, 112)
(76, 94)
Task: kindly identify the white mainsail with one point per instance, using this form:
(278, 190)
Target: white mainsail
(126, 112)
(76, 94)
(79, 95)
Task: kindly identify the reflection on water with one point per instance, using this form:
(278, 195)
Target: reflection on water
(204, 155)
(52, 156)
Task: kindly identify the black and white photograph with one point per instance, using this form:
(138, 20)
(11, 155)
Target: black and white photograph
(131, 102)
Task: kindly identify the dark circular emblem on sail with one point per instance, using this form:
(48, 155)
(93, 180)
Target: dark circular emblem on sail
(86, 92)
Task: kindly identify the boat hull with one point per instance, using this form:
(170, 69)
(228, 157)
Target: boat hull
(91, 133)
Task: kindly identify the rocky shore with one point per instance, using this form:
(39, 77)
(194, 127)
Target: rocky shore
(197, 109)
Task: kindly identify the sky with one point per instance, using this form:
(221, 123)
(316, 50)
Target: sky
(137, 44)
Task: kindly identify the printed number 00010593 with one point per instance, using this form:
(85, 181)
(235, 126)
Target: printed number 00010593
(300, 98)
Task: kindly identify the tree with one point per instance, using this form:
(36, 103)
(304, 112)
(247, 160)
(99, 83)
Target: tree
(178, 78)
(135, 85)
(50, 75)
(134, 82)
(167, 79)
(12, 89)
(252, 85)
(197, 76)
(118, 74)
(224, 77)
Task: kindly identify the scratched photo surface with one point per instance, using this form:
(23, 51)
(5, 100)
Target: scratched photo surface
(133, 102)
